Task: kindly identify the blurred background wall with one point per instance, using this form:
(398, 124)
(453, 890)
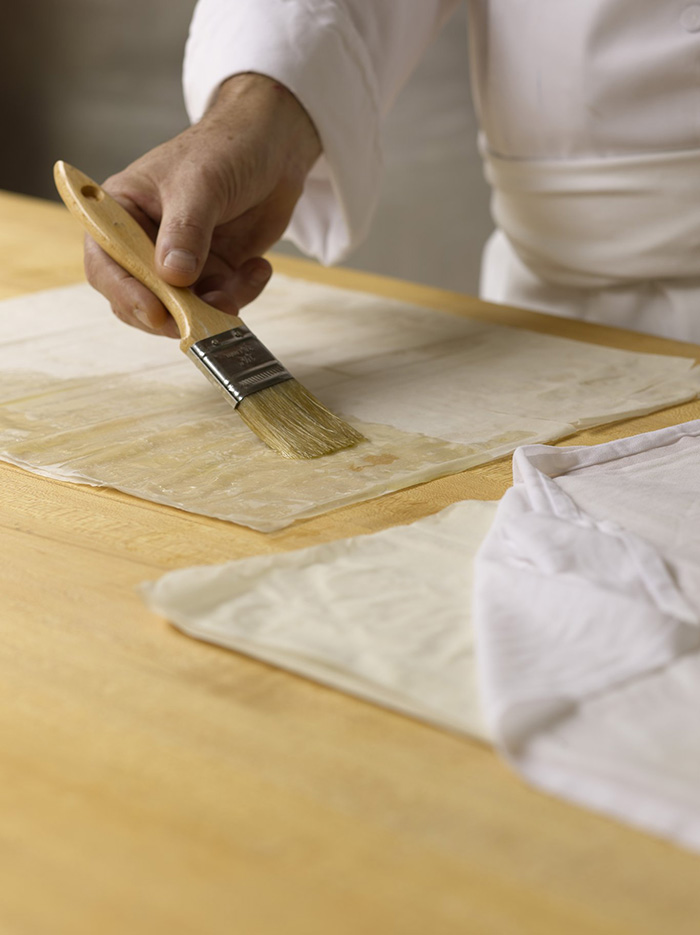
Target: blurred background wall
(97, 83)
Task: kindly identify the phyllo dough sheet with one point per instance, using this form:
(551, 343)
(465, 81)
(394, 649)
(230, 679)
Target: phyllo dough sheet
(85, 399)
(386, 617)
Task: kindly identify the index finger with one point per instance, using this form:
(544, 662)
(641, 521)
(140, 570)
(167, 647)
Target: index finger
(131, 301)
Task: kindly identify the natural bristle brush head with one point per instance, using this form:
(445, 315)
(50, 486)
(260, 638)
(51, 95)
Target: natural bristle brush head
(291, 421)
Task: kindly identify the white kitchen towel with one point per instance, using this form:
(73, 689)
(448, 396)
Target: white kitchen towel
(385, 616)
(85, 399)
(587, 619)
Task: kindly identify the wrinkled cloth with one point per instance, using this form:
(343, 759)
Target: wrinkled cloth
(386, 617)
(83, 398)
(587, 620)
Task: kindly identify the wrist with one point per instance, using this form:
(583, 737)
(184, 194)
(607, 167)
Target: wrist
(273, 103)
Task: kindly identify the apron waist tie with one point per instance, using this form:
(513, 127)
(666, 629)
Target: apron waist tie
(600, 223)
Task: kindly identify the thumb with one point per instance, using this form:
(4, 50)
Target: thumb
(184, 236)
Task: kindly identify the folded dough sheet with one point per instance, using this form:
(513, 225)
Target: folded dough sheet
(85, 399)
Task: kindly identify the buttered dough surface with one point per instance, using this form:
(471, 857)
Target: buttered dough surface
(84, 399)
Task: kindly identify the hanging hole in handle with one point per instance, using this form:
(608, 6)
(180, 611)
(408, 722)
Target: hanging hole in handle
(92, 192)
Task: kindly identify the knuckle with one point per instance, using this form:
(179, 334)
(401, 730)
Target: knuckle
(183, 225)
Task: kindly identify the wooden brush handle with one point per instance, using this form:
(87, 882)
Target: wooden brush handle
(123, 238)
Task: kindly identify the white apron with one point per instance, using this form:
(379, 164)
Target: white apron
(592, 116)
(606, 240)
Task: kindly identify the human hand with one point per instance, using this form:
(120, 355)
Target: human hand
(213, 199)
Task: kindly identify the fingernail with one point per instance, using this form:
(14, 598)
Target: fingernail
(180, 260)
(142, 317)
(259, 275)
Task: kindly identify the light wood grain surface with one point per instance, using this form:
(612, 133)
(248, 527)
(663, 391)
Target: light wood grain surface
(153, 784)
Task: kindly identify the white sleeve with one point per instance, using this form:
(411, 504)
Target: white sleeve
(345, 60)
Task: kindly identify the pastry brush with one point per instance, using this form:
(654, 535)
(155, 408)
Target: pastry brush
(270, 401)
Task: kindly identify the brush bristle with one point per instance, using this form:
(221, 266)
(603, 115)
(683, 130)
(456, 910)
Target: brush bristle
(294, 423)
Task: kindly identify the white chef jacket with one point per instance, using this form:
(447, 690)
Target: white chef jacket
(590, 116)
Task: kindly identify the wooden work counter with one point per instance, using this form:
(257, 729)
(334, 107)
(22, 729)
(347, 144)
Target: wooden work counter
(154, 784)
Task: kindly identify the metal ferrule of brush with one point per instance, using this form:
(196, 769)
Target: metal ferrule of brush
(238, 363)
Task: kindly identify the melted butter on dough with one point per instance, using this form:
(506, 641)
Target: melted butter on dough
(190, 450)
(374, 461)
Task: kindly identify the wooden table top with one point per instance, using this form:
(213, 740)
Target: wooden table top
(154, 784)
